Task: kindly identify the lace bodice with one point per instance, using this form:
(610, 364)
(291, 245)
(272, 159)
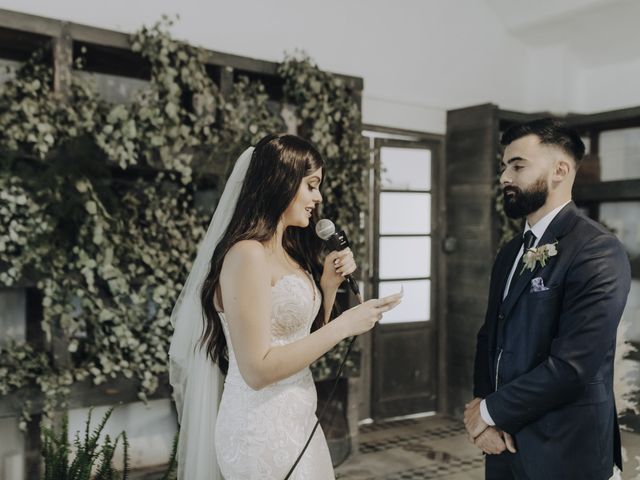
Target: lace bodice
(294, 307)
(260, 433)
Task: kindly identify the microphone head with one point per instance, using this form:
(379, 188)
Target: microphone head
(325, 228)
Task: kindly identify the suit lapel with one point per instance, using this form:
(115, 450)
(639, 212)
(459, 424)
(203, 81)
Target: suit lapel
(521, 280)
(559, 227)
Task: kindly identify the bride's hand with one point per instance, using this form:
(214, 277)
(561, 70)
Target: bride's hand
(363, 317)
(337, 266)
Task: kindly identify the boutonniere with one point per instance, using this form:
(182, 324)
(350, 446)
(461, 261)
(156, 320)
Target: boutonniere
(539, 255)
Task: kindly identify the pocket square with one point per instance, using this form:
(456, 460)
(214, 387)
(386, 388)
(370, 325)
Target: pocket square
(537, 285)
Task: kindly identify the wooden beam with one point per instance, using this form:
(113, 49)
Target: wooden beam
(35, 337)
(510, 117)
(120, 390)
(49, 27)
(19, 46)
(625, 117)
(62, 63)
(225, 80)
(612, 191)
(33, 448)
(30, 23)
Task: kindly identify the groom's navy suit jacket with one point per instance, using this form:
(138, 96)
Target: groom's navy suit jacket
(553, 388)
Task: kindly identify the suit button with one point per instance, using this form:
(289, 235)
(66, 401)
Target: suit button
(500, 316)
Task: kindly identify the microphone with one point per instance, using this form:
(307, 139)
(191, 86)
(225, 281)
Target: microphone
(337, 241)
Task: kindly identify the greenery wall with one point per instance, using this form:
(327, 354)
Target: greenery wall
(97, 200)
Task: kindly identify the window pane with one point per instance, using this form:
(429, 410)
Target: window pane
(7, 69)
(416, 303)
(405, 257)
(405, 213)
(405, 168)
(13, 311)
(620, 154)
(624, 219)
(587, 144)
(114, 88)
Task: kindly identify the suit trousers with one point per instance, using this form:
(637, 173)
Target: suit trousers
(506, 466)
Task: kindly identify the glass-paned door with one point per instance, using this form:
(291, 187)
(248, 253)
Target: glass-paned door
(404, 352)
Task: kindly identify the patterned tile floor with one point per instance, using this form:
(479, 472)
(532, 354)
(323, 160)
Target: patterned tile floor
(429, 447)
(434, 447)
(424, 448)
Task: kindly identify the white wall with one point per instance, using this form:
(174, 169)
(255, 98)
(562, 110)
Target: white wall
(150, 429)
(418, 58)
(608, 87)
(12, 325)
(583, 54)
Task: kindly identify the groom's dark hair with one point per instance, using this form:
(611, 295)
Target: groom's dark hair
(550, 132)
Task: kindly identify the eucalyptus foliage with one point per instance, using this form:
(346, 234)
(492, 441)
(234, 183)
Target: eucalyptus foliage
(97, 202)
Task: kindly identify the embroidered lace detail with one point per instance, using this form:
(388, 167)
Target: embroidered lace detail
(259, 433)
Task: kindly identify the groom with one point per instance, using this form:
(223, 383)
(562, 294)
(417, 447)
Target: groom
(543, 375)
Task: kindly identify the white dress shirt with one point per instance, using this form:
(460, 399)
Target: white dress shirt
(538, 230)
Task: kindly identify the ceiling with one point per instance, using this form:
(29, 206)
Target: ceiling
(596, 32)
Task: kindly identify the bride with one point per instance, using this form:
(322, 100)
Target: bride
(256, 291)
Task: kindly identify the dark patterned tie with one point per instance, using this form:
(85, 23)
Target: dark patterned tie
(529, 240)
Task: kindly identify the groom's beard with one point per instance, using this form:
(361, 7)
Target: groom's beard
(523, 202)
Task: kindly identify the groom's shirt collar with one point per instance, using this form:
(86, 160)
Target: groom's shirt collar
(539, 228)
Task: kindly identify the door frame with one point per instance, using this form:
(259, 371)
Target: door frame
(381, 136)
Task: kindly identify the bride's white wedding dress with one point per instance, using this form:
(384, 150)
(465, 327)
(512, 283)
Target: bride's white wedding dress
(260, 433)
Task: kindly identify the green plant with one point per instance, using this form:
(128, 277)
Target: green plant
(106, 244)
(172, 468)
(88, 454)
(330, 117)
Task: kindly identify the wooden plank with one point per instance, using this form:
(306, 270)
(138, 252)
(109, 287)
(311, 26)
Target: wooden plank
(411, 135)
(469, 244)
(471, 156)
(225, 80)
(242, 63)
(34, 335)
(468, 305)
(108, 38)
(408, 373)
(624, 117)
(62, 63)
(114, 391)
(609, 119)
(99, 36)
(466, 324)
(635, 267)
(472, 146)
(30, 23)
(484, 115)
(17, 45)
(507, 118)
(473, 213)
(459, 387)
(33, 449)
(611, 191)
(112, 61)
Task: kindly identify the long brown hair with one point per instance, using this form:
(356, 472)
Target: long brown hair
(277, 167)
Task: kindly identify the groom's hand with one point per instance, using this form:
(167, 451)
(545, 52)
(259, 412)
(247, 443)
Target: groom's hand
(509, 442)
(491, 441)
(473, 420)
